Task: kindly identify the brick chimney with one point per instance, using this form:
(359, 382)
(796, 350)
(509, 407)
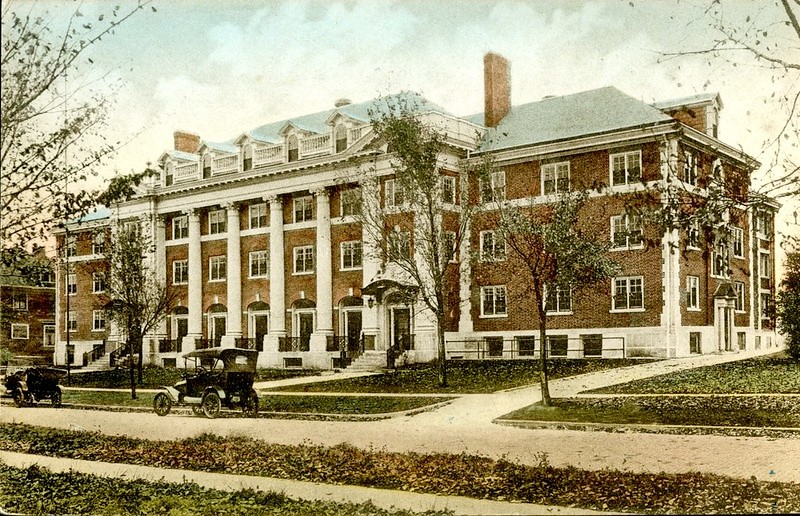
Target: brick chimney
(186, 141)
(496, 87)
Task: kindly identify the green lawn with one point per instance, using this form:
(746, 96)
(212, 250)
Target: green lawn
(740, 411)
(154, 377)
(116, 399)
(35, 490)
(768, 374)
(465, 377)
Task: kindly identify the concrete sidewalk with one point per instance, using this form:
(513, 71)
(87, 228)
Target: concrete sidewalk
(383, 498)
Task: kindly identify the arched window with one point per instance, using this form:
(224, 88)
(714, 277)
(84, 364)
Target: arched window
(340, 135)
(293, 148)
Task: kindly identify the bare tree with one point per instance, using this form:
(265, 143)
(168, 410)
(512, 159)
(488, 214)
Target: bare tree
(52, 121)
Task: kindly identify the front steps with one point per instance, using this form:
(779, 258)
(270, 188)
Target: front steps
(368, 361)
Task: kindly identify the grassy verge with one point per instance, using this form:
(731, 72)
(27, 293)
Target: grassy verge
(463, 475)
(115, 399)
(463, 376)
(767, 374)
(154, 377)
(745, 411)
(35, 490)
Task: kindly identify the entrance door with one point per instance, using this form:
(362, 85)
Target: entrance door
(401, 329)
(305, 327)
(181, 327)
(218, 324)
(724, 325)
(259, 327)
(352, 328)
(49, 337)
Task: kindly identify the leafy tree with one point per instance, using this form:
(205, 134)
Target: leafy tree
(52, 121)
(787, 302)
(423, 247)
(554, 250)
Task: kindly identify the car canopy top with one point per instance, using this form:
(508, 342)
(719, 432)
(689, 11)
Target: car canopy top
(234, 359)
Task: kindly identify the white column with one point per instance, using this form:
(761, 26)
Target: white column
(195, 322)
(234, 282)
(277, 305)
(324, 264)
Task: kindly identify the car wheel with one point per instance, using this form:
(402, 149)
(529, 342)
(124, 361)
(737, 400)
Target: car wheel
(162, 404)
(211, 405)
(250, 405)
(55, 399)
(19, 398)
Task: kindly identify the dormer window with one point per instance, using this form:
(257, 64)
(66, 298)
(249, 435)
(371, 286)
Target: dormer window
(169, 169)
(293, 147)
(340, 136)
(247, 158)
(206, 166)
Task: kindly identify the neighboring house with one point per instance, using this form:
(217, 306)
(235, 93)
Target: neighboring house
(27, 313)
(260, 237)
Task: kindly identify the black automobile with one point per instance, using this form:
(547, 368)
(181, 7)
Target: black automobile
(34, 384)
(215, 378)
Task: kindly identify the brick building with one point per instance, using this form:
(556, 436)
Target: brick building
(259, 237)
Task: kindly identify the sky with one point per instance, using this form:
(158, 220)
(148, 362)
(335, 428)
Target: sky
(219, 69)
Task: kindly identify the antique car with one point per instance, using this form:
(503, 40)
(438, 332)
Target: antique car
(214, 378)
(34, 384)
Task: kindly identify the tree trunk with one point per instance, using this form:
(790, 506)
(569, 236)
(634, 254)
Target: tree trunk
(140, 361)
(442, 354)
(131, 368)
(543, 379)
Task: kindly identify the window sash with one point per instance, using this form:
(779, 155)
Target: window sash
(303, 209)
(493, 189)
(628, 293)
(98, 320)
(493, 246)
(493, 301)
(558, 300)
(180, 227)
(216, 222)
(626, 168)
(626, 232)
(19, 302)
(20, 331)
(399, 245)
(258, 216)
(764, 266)
(737, 235)
(692, 292)
(448, 189)
(690, 168)
(72, 284)
(71, 322)
(350, 202)
(740, 293)
(217, 268)
(98, 282)
(555, 178)
(393, 193)
(304, 259)
(351, 255)
(180, 272)
(259, 264)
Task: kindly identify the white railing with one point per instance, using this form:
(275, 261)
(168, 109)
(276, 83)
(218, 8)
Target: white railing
(186, 171)
(225, 164)
(320, 144)
(268, 155)
(455, 128)
(357, 132)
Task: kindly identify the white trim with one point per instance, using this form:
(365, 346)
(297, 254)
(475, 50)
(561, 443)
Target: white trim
(624, 155)
(95, 319)
(220, 259)
(693, 287)
(500, 315)
(342, 255)
(223, 222)
(303, 248)
(265, 275)
(627, 293)
(556, 166)
(18, 326)
(258, 216)
(186, 262)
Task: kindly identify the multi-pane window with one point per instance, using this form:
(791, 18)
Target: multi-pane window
(180, 227)
(692, 293)
(258, 216)
(217, 268)
(351, 255)
(259, 264)
(304, 259)
(720, 260)
(628, 293)
(737, 242)
(740, 292)
(764, 265)
(399, 245)
(690, 167)
(98, 242)
(180, 272)
(626, 232)
(71, 321)
(132, 227)
(555, 178)
(303, 208)
(351, 202)
(98, 320)
(19, 301)
(493, 246)
(764, 226)
(449, 252)
(20, 331)
(98, 282)
(493, 301)
(766, 305)
(72, 284)
(448, 189)
(626, 168)
(393, 193)
(493, 187)
(693, 235)
(558, 300)
(71, 246)
(216, 222)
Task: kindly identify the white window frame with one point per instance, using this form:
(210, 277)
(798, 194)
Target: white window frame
(257, 215)
(71, 246)
(19, 301)
(629, 224)
(217, 268)
(398, 245)
(348, 250)
(98, 282)
(183, 265)
(394, 195)
(490, 246)
(71, 322)
(217, 222)
(349, 203)
(559, 294)
(690, 167)
(764, 225)
(98, 242)
(303, 255)
(449, 239)
(737, 242)
(629, 282)
(720, 250)
(693, 293)
(180, 227)
(555, 173)
(448, 186)
(693, 236)
(15, 327)
(628, 158)
(764, 305)
(98, 316)
(764, 258)
(305, 211)
(72, 284)
(740, 289)
(496, 190)
(258, 262)
(491, 292)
